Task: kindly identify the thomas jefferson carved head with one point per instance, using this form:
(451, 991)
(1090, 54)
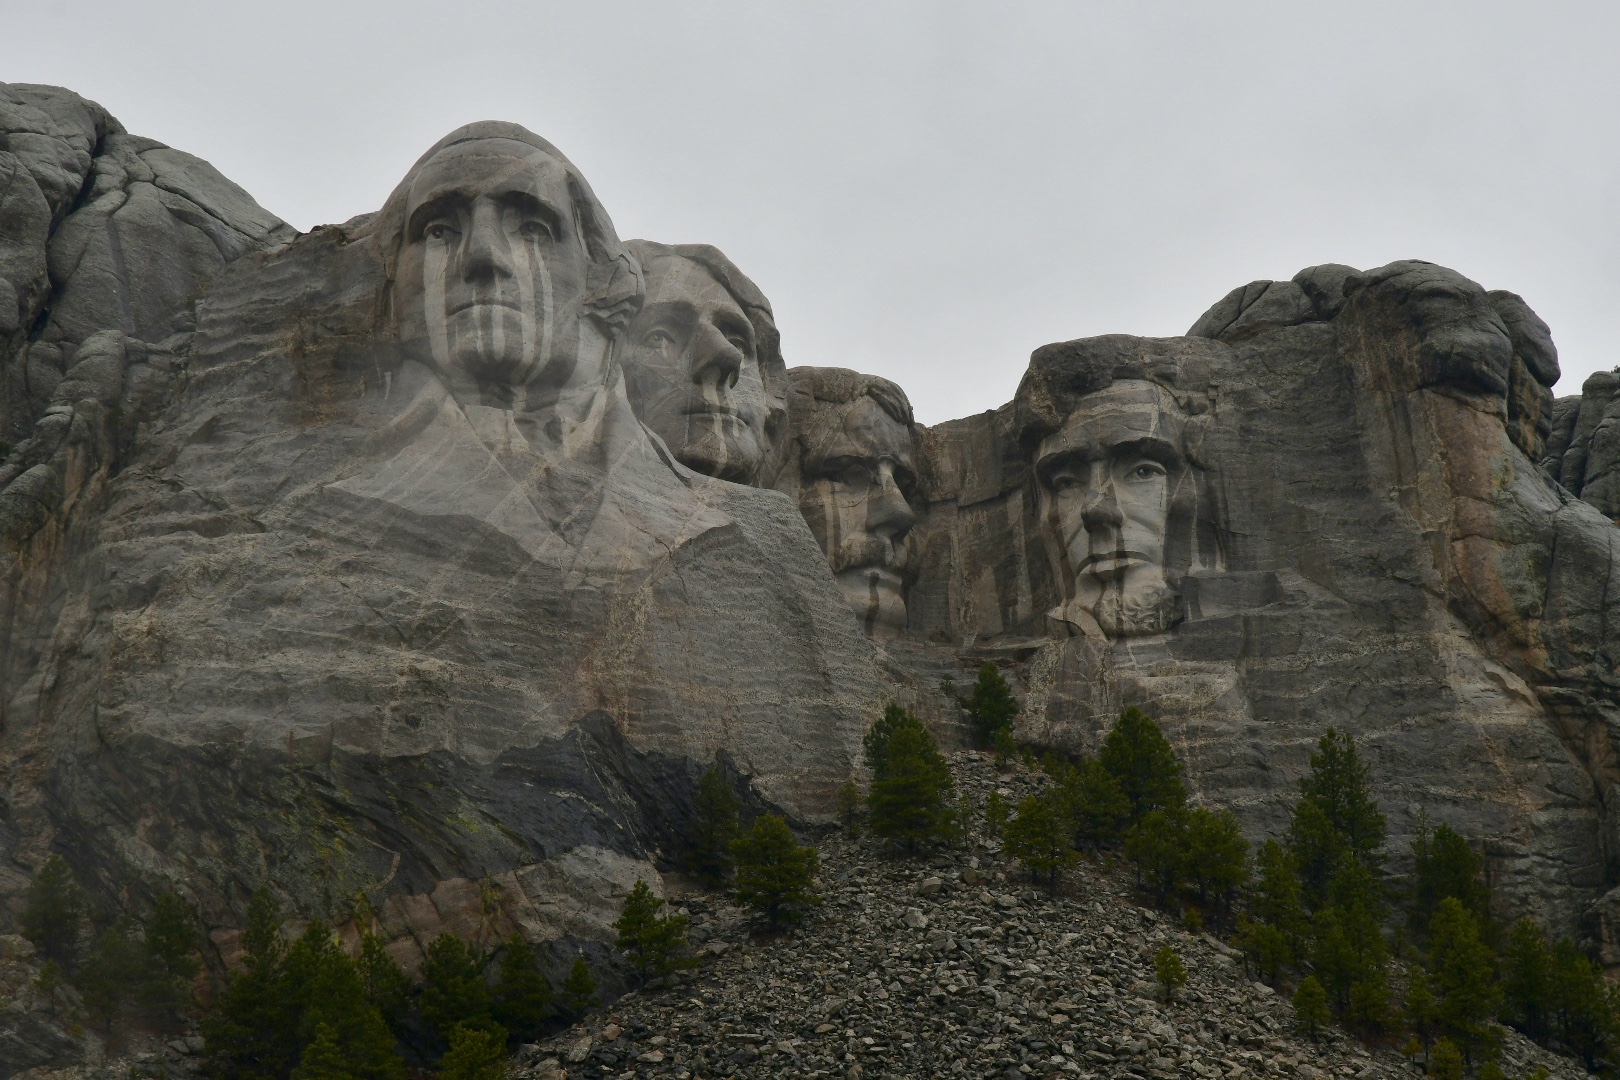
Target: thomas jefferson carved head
(704, 364)
(504, 272)
(1113, 433)
(854, 479)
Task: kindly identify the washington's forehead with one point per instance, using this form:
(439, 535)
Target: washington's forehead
(490, 167)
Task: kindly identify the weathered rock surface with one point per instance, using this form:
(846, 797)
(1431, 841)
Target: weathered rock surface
(100, 230)
(341, 562)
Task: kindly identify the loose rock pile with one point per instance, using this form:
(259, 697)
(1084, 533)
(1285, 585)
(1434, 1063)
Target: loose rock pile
(955, 966)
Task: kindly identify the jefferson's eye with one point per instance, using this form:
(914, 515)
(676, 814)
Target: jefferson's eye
(658, 339)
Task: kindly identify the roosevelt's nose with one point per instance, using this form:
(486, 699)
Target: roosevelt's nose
(715, 358)
(889, 515)
(487, 254)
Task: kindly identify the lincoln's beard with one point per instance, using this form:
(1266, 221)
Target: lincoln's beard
(1134, 605)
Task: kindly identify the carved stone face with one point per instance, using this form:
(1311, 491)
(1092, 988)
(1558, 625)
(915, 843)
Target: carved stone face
(1108, 481)
(1464, 343)
(857, 479)
(693, 371)
(491, 270)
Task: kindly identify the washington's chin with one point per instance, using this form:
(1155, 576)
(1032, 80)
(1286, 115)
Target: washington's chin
(877, 595)
(736, 460)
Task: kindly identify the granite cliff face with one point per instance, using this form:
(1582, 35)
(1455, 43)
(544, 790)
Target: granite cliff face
(430, 558)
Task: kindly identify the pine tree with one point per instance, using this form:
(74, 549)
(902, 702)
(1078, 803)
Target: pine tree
(348, 1035)
(1467, 996)
(386, 984)
(1039, 837)
(523, 995)
(1275, 931)
(1311, 1007)
(1169, 970)
(775, 873)
(1217, 856)
(1527, 979)
(653, 942)
(453, 988)
(1444, 865)
(1157, 844)
(995, 814)
(171, 941)
(578, 989)
(911, 782)
(254, 1033)
(709, 855)
(991, 708)
(475, 1054)
(54, 913)
(1582, 1016)
(116, 967)
(1137, 755)
(1339, 785)
(1096, 805)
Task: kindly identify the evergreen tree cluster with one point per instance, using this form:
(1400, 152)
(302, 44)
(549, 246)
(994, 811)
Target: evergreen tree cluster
(1132, 796)
(774, 874)
(128, 967)
(991, 707)
(910, 798)
(308, 1010)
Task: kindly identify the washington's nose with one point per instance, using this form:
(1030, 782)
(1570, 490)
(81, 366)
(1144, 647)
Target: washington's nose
(714, 357)
(890, 515)
(486, 255)
(1100, 510)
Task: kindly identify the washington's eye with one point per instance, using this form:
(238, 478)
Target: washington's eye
(739, 343)
(438, 230)
(534, 229)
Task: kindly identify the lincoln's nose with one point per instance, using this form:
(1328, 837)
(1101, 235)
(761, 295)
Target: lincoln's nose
(1101, 511)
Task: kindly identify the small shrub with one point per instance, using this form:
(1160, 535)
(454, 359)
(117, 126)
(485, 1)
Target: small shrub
(775, 873)
(991, 708)
(476, 1053)
(578, 989)
(1311, 1007)
(1169, 970)
(848, 807)
(653, 942)
(1039, 837)
(995, 814)
(1446, 1061)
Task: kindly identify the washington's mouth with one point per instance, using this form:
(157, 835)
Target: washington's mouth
(881, 578)
(707, 409)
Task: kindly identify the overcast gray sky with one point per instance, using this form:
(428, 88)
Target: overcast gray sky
(928, 191)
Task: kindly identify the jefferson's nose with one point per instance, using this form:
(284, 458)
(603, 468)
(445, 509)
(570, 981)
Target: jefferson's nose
(889, 515)
(487, 254)
(714, 358)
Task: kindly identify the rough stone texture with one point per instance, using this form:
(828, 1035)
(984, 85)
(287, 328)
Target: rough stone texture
(100, 230)
(282, 610)
(1371, 546)
(341, 563)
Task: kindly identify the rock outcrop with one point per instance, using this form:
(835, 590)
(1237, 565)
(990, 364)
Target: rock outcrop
(353, 564)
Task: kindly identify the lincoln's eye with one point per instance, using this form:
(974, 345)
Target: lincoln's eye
(1063, 482)
(1147, 471)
